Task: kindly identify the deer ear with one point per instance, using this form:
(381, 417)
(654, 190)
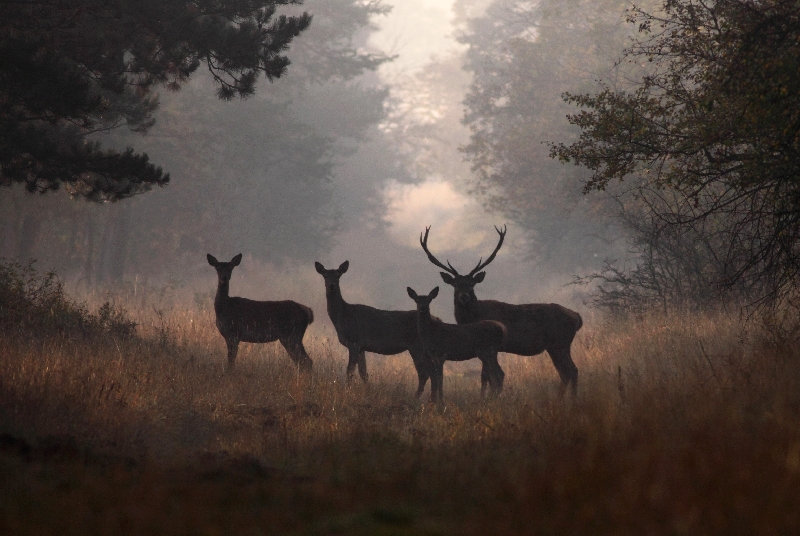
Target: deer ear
(344, 266)
(411, 293)
(447, 278)
(236, 260)
(211, 260)
(479, 277)
(434, 293)
(319, 267)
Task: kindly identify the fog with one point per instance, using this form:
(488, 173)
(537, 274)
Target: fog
(332, 163)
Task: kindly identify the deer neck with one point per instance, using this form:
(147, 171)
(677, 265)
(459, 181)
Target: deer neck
(465, 312)
(222, 293)
(424, 322)
(336, 303)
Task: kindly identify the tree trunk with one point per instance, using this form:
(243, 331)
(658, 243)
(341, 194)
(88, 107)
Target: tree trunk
(89, 261)
(9, 218)
(118, 244)
(28, 236)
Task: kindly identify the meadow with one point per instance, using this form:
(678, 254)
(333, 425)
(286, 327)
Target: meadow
(684, 424)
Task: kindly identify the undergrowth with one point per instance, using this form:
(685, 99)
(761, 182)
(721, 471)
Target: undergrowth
(31, 302)
(682, 425)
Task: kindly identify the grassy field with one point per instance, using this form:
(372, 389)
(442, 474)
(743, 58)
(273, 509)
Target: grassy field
(682, 425)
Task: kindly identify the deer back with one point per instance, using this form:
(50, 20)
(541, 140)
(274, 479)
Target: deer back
(532, 328)
(459, 342)
(375, 330)
(261, 321)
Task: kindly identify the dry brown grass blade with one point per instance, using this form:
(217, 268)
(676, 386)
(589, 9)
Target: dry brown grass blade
(664, 437)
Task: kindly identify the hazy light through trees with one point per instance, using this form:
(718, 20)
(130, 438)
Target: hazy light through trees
(347, 156)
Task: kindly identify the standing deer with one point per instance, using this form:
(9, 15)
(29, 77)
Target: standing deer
(459, 342)
(532, 328)
(362, 328)
(243, 320)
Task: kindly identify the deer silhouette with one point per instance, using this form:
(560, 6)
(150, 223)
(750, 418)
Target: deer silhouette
(532, 328)
(458, 342)
(361, 328)
(243, 320)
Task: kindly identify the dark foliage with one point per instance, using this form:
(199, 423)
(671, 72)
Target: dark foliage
(675, 268)
(72, 68)
(715, 128)
(35, 304)
(523, 57)
(273, 175)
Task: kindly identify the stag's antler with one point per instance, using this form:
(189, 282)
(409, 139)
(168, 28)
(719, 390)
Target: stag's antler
(481, 265)
(424, 243)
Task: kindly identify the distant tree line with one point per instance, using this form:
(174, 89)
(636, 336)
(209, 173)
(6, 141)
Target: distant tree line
(253, 174)
(523, 57)
(711, 135)
(70, 69)
(693, 127)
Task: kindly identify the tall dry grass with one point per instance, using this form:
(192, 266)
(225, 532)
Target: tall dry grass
(682, 425)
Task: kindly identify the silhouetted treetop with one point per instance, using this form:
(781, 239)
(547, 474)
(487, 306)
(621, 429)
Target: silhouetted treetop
(69, 68)
(716, 121)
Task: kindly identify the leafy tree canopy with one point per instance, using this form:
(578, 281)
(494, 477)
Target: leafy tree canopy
(524, 56)
(717, 120)
(70, 68)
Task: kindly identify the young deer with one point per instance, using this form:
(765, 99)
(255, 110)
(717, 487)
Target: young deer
(532, 328)
(243, 320)
(459, 342)
(362, 328)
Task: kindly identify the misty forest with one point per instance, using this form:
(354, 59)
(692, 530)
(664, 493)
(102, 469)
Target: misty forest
(378, 267)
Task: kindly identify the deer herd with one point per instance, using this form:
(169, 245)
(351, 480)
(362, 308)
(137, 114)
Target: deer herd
(482, 329)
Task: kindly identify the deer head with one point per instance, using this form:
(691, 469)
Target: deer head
(224, 269)
(423, 302)
(464, 285)
(331, 277)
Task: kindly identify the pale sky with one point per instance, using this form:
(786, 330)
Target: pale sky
(415, 30)
(418, 31)
(434, 203)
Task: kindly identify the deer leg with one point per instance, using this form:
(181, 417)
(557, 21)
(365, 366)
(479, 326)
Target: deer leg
(499, 378)
(233, 349)
(297, 352)
(492, 374)
(562, 359)
(351, 364)
(423, 372)
(437, 379)
(362, 366)
(440, 374)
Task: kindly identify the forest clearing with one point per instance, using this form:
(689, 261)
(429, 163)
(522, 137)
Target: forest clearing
(681, 425)
(643, 159)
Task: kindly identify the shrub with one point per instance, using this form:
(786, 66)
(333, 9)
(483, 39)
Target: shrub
(34, 302)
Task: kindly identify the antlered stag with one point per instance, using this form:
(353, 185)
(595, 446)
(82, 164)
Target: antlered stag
(243, 320)
(458, 342)
(362, 328)
(532, 328)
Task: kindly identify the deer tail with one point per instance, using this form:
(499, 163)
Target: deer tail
(579, 322)
(505, 334)
(309, 313)
(503, 331)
